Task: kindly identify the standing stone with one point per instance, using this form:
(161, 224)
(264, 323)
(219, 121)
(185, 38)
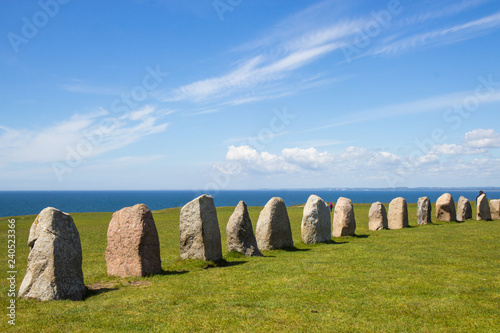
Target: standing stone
(445, 208)
(464, 209)
(424, 210)
(199, 230)
(495, 209)
(377, 217)
(344, 223)
(239, 232)
(55, 259)
(316, 223)
(398, 214)
(273, 229)
(133, 246)
(483, 208)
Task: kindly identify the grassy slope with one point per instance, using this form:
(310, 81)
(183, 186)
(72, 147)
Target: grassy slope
(436, 278)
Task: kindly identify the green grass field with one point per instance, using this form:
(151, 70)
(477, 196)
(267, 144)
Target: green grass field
(443, 277)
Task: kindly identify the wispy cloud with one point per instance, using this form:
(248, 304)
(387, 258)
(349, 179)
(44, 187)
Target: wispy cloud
(53, 143)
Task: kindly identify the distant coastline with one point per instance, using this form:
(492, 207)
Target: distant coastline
(16, 203)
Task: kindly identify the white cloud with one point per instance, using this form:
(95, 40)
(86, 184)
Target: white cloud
(90, 134)
(454, 149)
(309, 159)
(482, 138)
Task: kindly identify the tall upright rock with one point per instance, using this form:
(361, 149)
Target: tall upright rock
(55, 259)
(445, 208)
(344, 223)
(398, 214)
(464, 209)
(316, 224)
(495, 209)
(483, 208)
(424, 210)
(239, 232)
(377, 217)
(133, 247)
(273, 230)
(199, 230)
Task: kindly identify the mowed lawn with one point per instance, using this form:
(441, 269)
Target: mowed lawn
(443, 277)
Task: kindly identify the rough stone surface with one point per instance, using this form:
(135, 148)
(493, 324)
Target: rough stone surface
(398, 214)
(445, 208)
(344, 223)
(55, 259)
(495, 209)
(377, 217)
(199, 230)
(424, 210)
(483, 208)
(133, 247)
(239, 232)
(464, 209)
(273, 229)
(316, 223)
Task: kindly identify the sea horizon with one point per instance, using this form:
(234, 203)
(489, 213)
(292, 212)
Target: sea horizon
(31, 202)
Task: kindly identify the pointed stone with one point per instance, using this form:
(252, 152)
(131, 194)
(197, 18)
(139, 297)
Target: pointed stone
(377, 217)
(344, 223)
(199, 230)
(239, 232)
(55, 259)
(398, 214)
(424, 210)
(316, 224)
(483, 208)
(273, 230)
(464, 209)
(133, 246)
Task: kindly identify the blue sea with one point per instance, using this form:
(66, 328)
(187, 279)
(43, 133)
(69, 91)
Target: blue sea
(32, 202)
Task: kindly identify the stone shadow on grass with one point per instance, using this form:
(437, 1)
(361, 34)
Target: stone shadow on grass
(163, 272)
(99, 288)
(294, 249)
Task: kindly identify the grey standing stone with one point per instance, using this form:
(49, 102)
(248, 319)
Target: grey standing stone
(424, 210)
(344, 223)
(199, 230)
(464, 209)
(273, 229)
(55, 259)
(133, 247)
(377, 217)
(398, 214)
(445, 208)
(239, 232)
(483, 208)
(495, 209)
(316, 223)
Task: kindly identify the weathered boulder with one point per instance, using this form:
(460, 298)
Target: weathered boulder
(398, 214)
(464, 209)
(199, 230)
(133, 246)
(55, 259)
(377, 217)
(239, 232)
(344, 223)
(424, 210)
(316, 224)
(273, 229)
(445, 208)
(495, 209)
(483, 208)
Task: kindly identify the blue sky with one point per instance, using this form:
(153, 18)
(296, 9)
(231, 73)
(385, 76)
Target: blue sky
(240, 94)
